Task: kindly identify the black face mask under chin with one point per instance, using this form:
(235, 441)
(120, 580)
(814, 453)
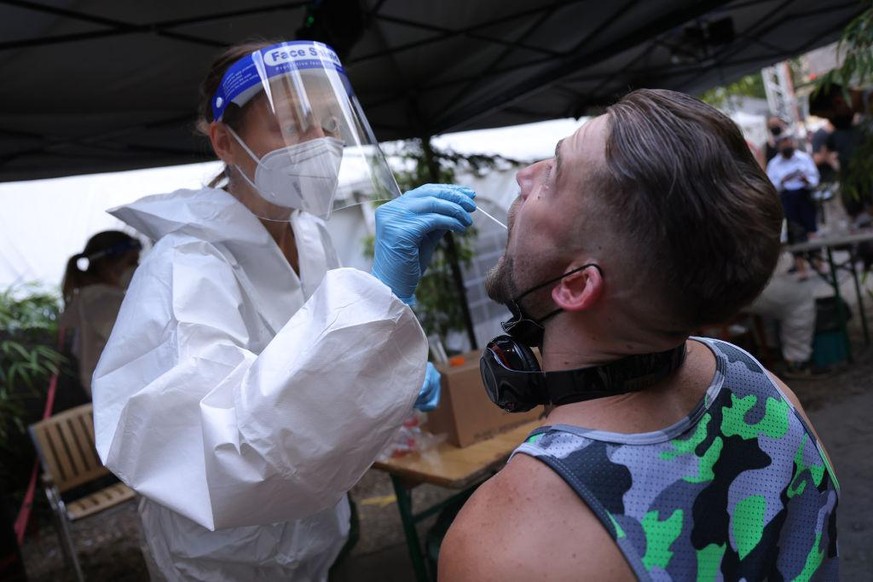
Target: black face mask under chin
(528, 330)
(514, 381)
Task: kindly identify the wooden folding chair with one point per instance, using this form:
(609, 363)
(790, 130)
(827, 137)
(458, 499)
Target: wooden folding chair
(65, 444)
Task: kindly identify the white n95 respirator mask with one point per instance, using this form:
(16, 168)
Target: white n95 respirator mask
(298, 89)
(303, 176)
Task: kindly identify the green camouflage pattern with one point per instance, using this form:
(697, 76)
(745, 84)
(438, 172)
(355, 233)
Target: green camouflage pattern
(738, 490)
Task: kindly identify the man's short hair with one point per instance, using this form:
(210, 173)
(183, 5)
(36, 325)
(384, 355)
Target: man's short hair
(689, 202)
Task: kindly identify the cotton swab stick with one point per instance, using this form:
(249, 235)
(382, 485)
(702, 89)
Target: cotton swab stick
(480, 209)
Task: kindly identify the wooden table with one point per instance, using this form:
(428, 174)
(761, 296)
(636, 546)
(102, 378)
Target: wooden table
(446, 466)
(829, 244)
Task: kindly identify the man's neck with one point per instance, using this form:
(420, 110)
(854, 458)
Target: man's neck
(581, 342)
(652, 409)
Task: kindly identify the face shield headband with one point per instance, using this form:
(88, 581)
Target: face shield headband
(522, 326)
(249, 75)
(84, 262)
(320, 154)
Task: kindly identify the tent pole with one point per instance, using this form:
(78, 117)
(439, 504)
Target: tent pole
(451, 248)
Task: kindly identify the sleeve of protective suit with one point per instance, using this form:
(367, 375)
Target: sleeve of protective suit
(189, 417)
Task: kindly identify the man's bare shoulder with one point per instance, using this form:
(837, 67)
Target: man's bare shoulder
(527, 524)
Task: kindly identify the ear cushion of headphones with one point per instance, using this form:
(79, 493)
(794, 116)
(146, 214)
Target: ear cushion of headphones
(531, 364)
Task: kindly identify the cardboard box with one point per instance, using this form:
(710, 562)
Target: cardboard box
(465, 413)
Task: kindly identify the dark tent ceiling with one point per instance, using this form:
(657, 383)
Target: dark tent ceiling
(103, 85)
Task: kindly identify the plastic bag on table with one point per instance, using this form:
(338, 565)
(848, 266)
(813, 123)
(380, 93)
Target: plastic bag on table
(410, 438)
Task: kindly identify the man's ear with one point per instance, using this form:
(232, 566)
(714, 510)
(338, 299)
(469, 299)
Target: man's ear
(221, 140)
(579, 291)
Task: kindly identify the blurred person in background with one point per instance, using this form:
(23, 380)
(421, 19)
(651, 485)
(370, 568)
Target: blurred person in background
(791, 305)
(826, 160)
(776, 127)
(794, 175)
(93, 288)
(848, 110)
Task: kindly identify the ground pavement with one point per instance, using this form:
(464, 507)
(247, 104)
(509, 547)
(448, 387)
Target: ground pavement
(841, 408)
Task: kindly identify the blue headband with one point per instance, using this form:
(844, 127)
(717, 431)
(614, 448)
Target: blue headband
(83, 261)
(244, 78)
(118, 248)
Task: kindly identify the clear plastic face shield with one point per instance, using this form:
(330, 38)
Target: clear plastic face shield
(307, 141)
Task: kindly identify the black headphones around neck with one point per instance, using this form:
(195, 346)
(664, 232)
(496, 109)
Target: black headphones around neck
(516, 383)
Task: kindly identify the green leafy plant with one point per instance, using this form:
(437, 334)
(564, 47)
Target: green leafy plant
(748, 86)
(858, 178)
(438, 305)
(28, 330)
(856, 49)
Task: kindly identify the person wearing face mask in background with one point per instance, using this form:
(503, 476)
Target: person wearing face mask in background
(250, 380)
(794, 175)
(93, 288)
(775, 128)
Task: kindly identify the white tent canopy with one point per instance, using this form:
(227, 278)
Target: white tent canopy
(109, 86)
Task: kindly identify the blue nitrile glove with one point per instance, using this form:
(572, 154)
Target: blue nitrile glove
(429, 395)
(408, 229)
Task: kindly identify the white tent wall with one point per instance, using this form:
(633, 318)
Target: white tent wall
(753, 126)
(44, 222)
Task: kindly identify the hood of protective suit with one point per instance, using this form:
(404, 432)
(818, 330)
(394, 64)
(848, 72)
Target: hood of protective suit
(214, 216)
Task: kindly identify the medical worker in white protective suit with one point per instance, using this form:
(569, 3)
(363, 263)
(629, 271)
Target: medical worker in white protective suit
(249, 381)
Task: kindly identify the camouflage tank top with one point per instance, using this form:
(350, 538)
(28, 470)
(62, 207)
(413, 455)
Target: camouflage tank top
(738, 490)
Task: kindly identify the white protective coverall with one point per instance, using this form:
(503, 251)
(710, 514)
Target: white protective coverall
(90, 317)
(233, 394)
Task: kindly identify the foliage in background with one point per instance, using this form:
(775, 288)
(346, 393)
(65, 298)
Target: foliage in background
(857, 180)
(856, 50)
(438, 306)
(748, 86)
(28, 330)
